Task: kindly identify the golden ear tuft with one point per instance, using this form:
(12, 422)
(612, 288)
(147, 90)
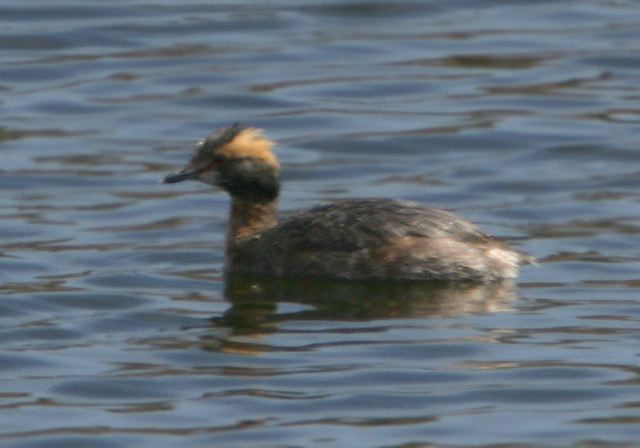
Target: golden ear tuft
(251, 143)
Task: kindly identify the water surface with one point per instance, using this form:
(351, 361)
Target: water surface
(118, 328)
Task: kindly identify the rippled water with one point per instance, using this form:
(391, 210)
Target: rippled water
(117, 327)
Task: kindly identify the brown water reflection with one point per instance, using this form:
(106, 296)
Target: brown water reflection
(254, 300)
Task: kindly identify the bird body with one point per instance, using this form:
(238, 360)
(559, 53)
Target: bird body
(348, 239)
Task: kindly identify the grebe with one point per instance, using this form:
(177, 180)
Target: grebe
(348, 239)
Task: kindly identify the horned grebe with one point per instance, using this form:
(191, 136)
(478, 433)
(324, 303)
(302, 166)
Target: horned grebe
(348, 239)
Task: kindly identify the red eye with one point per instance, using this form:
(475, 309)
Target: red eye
(215, 162)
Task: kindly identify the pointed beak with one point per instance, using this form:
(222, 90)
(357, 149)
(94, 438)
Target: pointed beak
(179, 177)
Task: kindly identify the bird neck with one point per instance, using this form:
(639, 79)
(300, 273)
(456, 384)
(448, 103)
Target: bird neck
(249, 218)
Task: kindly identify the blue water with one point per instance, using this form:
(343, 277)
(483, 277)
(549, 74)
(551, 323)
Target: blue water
(117, 326)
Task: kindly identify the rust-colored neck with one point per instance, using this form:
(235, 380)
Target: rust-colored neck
(249, 219)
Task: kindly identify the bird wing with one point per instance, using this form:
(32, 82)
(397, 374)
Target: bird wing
(354, 224)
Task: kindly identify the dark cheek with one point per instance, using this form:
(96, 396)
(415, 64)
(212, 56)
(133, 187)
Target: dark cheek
(208, 177)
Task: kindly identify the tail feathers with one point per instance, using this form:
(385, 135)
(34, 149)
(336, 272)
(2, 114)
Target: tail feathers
(527, 259)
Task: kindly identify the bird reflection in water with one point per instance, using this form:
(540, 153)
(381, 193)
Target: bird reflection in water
(255, 301)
